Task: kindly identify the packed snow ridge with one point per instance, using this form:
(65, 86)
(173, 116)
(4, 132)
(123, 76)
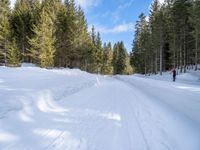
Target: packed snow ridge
(63, 109)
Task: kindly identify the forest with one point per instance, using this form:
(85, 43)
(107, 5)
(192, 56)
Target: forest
(168, 38)
(53, 33)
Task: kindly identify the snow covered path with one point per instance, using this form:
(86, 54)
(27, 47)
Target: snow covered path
(73, 110)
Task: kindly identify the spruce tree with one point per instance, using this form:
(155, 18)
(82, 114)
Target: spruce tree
(13, 55)
(4, 29)
(42, 44)
(96, 52)
(115, 57)
(107, 67)
(129, 69)
(120, 57)
(154, 29)
(21, 24)
(141, 46)
(66, 28)
(195, 20)
(99, 52)
(121, 60)
(83, 40)
(166, 39)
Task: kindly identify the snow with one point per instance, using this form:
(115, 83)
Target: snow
(28, 65)
(68, 109)
(190, 77)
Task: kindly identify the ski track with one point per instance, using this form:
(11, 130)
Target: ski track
(103, 113)
(182, 119)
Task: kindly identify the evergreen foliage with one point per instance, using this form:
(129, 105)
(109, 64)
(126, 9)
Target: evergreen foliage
(54, 33)
(121, 59)
(13, 55)
(21, 25)
(42, 44)
(107, 67)
(4, 29)
(169, 39)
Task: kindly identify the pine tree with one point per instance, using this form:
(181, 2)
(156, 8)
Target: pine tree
(129, 69)
(66, 35)
(160, 18)
(96, 52)
(21, 24)
(141, 52)
(195, 20)
(4, 29)
(107, 67)
(154, 34)
(180, 17)
(42, 44)
(115, 57)
(99, 52)
(168, 40)
(120, 58)
(13, 55)
(35, 8)
(82, 39)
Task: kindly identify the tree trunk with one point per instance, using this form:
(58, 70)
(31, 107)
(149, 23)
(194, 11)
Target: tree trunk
(184, 53)
(23, 47)
(152, 65)
(196, 52)
(145, 67)
(5, 51)
(174, 53)
(156, 63)
(181, 57)
(161, 52)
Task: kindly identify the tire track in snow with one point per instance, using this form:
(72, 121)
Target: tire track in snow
(177, 119)
(130, 113)
(138, 107)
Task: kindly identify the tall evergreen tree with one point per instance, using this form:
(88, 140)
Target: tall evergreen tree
(115, 57)
(82, 39)
(21, 24)
(42, 44)
(13, 55)
(4, 29)
(99, 52)
(153, 19)
(121, 58)
(107, 67)
(167, 37)
(96, 52)
(195, 20)
(141, 46)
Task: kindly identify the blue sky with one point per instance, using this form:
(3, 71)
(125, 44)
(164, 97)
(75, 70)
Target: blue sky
(114, 19)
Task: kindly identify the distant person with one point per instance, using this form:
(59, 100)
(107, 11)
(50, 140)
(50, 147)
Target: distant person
(174, 74)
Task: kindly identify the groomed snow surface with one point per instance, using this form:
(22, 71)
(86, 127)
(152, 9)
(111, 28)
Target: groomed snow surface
(63, 109)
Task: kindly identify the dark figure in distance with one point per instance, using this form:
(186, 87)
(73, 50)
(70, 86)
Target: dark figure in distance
(174, 74)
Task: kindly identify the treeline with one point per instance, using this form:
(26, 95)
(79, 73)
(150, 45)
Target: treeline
(169, 38)
(52, 33)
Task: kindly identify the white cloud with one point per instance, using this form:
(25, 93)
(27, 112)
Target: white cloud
(120, 8)
(121, 28)
(87, 3)
(126, 5)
